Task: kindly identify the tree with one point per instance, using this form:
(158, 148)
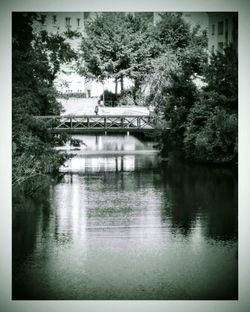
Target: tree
(36, 59)
(221, 74)
(171, 87)
(172, 31)
(117, 46)
(212, 124)
(203, 123)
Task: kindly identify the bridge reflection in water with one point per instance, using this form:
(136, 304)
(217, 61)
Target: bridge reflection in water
(108, 153)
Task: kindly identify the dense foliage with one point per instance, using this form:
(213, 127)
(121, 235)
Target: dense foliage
(165, 61)
(212, 124)
(36, 59)
(171, 81)
(198, 123)
(117, 45)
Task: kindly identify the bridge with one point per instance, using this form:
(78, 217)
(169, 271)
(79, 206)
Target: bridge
(98, 123)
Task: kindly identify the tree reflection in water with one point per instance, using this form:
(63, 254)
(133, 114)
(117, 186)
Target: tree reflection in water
(196, 191)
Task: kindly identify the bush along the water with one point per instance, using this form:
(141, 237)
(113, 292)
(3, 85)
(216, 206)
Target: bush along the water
(211, 134)
(203, 122)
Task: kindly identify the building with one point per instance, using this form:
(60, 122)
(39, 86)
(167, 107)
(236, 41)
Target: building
(196, 18)
(223, 30)
(60, 22)
(67, 81)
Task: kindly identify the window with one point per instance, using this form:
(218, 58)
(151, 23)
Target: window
(86, 15)
(213, 29)
(220, 46)
(220, 28)
(54, 19)
(43, 18)
(67, 21)
(226, 31)
(78, 21)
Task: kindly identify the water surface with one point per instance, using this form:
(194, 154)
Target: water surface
(123, 225)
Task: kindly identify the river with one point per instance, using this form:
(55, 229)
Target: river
(122, 224)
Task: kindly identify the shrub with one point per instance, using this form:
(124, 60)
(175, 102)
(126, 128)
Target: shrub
(211, 134)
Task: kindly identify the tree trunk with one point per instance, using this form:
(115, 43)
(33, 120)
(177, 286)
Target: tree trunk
(135, 89)
(122, 86)
(116, 86)
(103, 98)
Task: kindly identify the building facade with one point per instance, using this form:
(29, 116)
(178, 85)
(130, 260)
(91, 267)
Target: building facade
(223, 31)
(196, 18)
(67, 81)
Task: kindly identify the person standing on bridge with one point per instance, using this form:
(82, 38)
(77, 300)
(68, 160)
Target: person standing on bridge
(96, 109)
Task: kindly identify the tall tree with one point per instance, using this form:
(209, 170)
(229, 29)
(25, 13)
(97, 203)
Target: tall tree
(171, 80)
(36, 59)
(212, 124)
(117, 45)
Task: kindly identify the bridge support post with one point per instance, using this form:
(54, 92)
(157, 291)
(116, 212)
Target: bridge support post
(138, 122)
(127, 133)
